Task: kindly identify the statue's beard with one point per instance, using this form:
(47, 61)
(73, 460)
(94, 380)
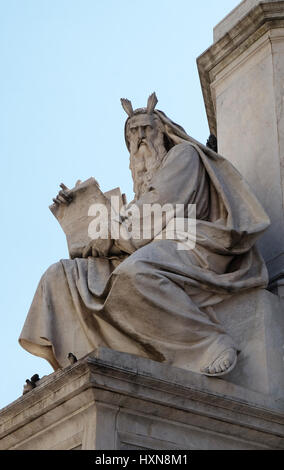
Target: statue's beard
(145, 159)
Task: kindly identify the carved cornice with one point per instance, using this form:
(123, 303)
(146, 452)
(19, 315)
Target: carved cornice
(260, 20)
(111, 379)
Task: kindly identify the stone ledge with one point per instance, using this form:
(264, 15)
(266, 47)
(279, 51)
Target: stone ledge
(258, 21)
(235, 16)
(124, 392)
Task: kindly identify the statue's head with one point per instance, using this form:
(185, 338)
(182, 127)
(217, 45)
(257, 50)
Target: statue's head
(144, 121)
(149, 135)
(146, 141)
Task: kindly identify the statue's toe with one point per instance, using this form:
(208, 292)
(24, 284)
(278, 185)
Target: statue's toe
(222, 365)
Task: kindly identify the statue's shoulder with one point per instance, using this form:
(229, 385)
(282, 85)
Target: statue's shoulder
(183, 151)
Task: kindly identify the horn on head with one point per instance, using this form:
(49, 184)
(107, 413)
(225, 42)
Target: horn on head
(127, 106)
(152, 101)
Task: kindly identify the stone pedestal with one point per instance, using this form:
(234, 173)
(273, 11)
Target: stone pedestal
(119, 401)
(242, 77)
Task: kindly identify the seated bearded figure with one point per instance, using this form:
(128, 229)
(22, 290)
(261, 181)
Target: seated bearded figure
(154, 296)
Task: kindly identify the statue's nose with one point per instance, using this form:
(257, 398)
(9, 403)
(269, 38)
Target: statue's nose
(141, 132)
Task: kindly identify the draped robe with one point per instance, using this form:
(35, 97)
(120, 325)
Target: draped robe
(154, 300)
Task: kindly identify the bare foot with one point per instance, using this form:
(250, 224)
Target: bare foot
(222, 365)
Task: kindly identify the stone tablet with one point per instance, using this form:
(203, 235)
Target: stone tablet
(74, 217)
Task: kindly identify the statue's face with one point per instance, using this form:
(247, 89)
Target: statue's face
(143, 130)
(146, 141)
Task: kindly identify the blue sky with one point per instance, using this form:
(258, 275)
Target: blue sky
(65, 64)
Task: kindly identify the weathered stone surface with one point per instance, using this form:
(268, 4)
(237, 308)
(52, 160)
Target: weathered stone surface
(114, 400)
(256, 322)
(242, 77)
(236, 15)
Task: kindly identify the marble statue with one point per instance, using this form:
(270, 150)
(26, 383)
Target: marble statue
(145, 296)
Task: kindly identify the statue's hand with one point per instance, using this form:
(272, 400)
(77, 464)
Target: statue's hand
(63, 197)
(98, 248)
